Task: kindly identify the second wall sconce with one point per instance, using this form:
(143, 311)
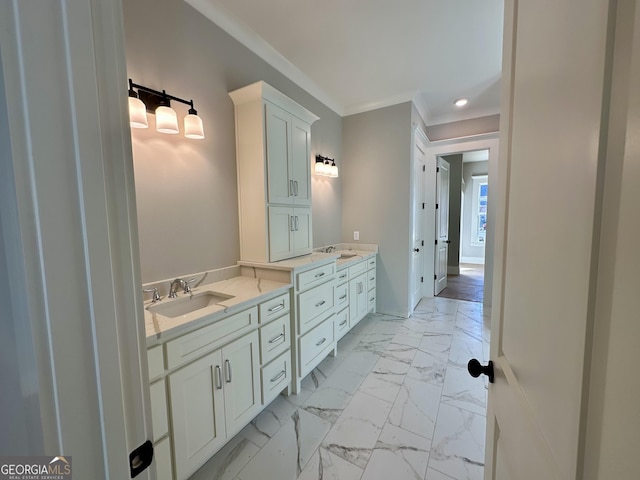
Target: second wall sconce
(153, 101)
(326, 166)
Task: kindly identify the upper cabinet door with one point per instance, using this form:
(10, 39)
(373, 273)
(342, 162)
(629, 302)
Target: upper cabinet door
(301, 162)
(277, 135)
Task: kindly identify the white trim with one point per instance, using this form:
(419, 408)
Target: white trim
(474, 260)
(250, 39)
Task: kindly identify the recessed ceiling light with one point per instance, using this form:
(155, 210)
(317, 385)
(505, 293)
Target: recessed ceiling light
(461, 102)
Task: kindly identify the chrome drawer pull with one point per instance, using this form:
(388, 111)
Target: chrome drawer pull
(321, 342)
(342, 297)
(275, 339)
(320, 304)
(343, 324)
(321, 274)
(218, 376)
(372, 279)
(278, 307)
(278, 376)
(372, 299)
(228, 365)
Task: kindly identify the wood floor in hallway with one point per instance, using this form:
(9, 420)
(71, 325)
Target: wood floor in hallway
(469, 285)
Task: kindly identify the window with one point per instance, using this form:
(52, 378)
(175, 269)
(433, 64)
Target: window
(479, 210)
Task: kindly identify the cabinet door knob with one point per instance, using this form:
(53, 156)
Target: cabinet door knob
(416, 250)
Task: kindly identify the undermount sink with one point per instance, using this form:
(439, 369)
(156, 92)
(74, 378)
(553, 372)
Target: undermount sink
(347, 255)
(185, 305)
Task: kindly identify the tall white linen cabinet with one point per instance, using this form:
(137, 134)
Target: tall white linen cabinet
(273, 154)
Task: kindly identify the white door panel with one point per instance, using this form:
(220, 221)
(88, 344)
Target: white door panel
(442, 225)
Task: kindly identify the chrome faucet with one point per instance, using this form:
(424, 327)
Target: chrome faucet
(330, 249)
(179, 283)
(173, 288)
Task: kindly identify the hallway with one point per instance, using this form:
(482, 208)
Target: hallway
(468, 285)
(397, 402)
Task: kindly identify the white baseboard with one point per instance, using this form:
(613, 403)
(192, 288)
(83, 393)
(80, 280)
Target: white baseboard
(453, 270)
(476, 260)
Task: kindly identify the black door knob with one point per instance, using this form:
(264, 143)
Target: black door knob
(416, 250)
(476, 369)
(447, 241)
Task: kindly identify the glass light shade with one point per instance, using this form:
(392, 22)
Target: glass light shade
(193, 127)
(319, 168)
(137, 113)
(333, 170)
(166, 120)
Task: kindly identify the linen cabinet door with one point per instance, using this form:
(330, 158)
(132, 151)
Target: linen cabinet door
(281, 226)
(301, 162)
(302, 236)
(278, 130)
(197, 413)
(241, 367)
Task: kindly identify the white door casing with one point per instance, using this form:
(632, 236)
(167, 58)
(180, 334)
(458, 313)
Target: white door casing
(442, 225)
(554, 119)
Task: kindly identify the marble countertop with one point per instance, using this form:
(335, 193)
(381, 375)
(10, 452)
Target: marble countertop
(245, 292)
(319, 258)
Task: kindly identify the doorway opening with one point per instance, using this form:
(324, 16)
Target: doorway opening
(467, 216)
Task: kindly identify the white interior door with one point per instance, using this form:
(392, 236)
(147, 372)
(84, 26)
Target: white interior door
(442, 225)
(551, 123)
(417, 236)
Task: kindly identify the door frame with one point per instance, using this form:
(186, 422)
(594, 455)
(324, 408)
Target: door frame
(488, 142)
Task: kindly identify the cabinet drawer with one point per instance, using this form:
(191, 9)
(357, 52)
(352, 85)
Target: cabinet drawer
(342, 296)
(198, 343)
(371, 263)
(371, 279)
(342, 276)
(313, 306)
(155, 360)
(274, 308)
(341, 322)
(274, 339)
(316, 276)
(371, 299)
(315, 345)
(159, 409)
(357, 269)
(275, 377)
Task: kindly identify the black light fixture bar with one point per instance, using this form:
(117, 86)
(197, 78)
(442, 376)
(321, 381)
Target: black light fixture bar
(152, 99)
(320, 158)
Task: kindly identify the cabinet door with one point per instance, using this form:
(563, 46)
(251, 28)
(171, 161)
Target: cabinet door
(357, 298)
(302, 241)
(301, 162)
(281, 224)
(197, 413)
(278, 130)
(241, 366)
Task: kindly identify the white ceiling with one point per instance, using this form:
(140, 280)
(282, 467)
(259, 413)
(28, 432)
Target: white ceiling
(356, 55)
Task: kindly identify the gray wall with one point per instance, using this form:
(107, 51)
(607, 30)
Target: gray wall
(376, 197)
(187, 189)
(468, 170)
(455, 197)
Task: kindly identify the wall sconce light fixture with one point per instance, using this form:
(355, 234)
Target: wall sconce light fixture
(153, 101)
(325, 166)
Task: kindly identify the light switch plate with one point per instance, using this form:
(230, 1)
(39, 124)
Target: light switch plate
(356, 235)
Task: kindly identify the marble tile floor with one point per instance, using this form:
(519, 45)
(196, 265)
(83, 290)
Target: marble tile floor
(395, 403)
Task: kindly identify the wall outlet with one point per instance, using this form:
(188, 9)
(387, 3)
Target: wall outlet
(356, 235)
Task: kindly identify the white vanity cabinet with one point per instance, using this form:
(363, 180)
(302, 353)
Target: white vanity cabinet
(212, 399)
(358, 304)
(273, 157)
(209, 383)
